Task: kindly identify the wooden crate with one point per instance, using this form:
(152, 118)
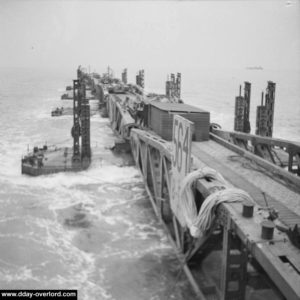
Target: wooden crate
(160, 119)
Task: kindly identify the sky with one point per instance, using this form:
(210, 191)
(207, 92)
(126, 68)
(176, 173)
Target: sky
(151, 34)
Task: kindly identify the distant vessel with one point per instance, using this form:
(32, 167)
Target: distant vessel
(255, 68)
(57, 112)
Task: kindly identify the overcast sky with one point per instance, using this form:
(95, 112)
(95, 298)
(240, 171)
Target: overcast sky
(150, 34)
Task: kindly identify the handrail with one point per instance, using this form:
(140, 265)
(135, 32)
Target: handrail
(291, 147)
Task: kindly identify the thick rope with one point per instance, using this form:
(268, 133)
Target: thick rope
(200, 223)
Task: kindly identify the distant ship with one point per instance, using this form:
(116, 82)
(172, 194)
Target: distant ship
(255, 68)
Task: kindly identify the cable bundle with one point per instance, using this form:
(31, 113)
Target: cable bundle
(199, 223)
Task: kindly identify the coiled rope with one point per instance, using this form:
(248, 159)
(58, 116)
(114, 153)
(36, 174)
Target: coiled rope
(200, 223)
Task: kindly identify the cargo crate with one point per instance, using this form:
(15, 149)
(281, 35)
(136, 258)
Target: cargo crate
(160, 119)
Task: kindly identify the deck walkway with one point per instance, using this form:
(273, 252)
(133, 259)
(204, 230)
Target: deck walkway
(247, 175)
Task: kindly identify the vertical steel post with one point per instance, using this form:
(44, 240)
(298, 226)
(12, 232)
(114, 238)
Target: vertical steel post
(234, 266)
(247, 96)
(85, 128)
(173, 92)
(270, 101)
(142, 78)
(124, 76)
(79, 73)
(261, 118)
(168, 93)
(239, 114)
(76, 126)
(178, 85)
(168, 88)
(242, 109)
(265, 112)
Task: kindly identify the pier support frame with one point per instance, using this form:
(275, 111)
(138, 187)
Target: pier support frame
(124, 76)
(173, 87)
(76, 159)
(234, 264)
(140, 78)
(81, 126)
(242, 110)
(265, 112)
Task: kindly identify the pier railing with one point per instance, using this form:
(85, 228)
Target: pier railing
(281, 152)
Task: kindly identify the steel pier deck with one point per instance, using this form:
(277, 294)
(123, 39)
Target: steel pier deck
(248, 176)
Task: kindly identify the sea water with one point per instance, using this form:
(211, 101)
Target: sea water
(95, 230)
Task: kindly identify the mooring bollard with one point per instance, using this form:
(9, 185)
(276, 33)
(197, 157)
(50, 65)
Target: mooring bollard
(248, 209)
(267, 229)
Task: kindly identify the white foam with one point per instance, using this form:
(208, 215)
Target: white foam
(94, 175)
(113, 220)
(67, 197)
(79, 264)
(20, 274)
(109, 252)
(55, 235)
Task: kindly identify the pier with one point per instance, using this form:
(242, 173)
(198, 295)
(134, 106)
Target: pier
(227, 196)
(246, 252)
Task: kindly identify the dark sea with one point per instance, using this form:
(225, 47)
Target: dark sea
(95, 230)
